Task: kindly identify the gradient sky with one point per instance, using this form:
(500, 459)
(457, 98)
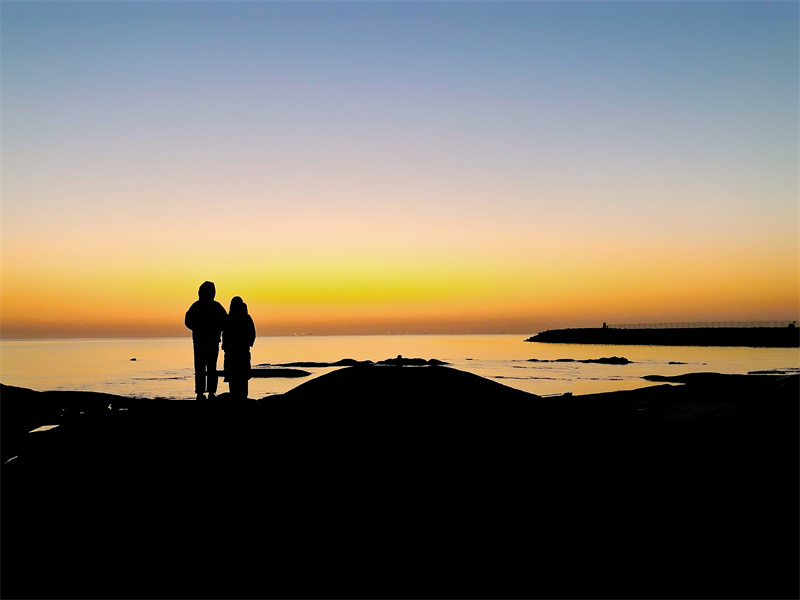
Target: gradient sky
(364, 167)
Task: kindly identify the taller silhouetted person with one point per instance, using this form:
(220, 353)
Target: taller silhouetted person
(237, 338)
(206, 318)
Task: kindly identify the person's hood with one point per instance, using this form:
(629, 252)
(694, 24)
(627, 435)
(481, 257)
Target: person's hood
(238, 307)
(207, 291)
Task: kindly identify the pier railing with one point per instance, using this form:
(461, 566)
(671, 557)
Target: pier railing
(702, 324)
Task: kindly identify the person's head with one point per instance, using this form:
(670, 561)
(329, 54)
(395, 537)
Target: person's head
(207, 291)
(238, 306)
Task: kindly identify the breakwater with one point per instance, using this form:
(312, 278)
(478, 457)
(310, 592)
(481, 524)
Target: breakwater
(764, 337)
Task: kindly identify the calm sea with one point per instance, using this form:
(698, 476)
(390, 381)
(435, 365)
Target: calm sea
(163, 367)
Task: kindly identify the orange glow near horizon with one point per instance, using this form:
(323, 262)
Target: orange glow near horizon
(81, 291)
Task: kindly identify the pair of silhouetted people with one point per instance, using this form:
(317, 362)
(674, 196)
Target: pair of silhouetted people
(208, 321)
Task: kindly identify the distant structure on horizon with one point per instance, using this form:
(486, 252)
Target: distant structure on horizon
(701, 325)
(774, 334)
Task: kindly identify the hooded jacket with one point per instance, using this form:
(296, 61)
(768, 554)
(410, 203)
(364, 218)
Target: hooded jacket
(240, 331)
(237, 338)
(206, 317)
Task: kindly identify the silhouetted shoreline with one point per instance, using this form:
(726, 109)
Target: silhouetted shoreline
(400, 481)
(766, 337)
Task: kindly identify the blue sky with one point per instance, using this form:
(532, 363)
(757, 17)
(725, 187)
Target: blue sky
(436, 124)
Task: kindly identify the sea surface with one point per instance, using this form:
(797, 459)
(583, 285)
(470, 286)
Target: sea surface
(163, 367)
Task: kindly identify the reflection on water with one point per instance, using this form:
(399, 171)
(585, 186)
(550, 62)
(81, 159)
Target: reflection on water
(43, 428)
(163, 367)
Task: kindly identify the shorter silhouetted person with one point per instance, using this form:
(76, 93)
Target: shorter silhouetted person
(238, 337)
(206, 318)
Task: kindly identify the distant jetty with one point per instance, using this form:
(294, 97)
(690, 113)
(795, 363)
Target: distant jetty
(756, 337)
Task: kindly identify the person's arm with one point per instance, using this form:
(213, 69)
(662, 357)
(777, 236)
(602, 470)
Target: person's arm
(252, 332)
(222, 318)
(189, 318)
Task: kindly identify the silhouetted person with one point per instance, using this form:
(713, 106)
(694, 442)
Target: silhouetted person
(206, 318)
(237, 338)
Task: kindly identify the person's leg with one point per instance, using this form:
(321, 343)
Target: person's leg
(199, 371)
(213, 354)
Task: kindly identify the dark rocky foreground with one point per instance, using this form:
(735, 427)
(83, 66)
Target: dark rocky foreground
(391, 481)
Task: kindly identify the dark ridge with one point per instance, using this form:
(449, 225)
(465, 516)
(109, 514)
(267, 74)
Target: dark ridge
(786, 371)
(345, 362)
(349, 362)
(266, 373)
(429, 389)
(610, 360)
(272, 372)
(767, 337)
(400, 361)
